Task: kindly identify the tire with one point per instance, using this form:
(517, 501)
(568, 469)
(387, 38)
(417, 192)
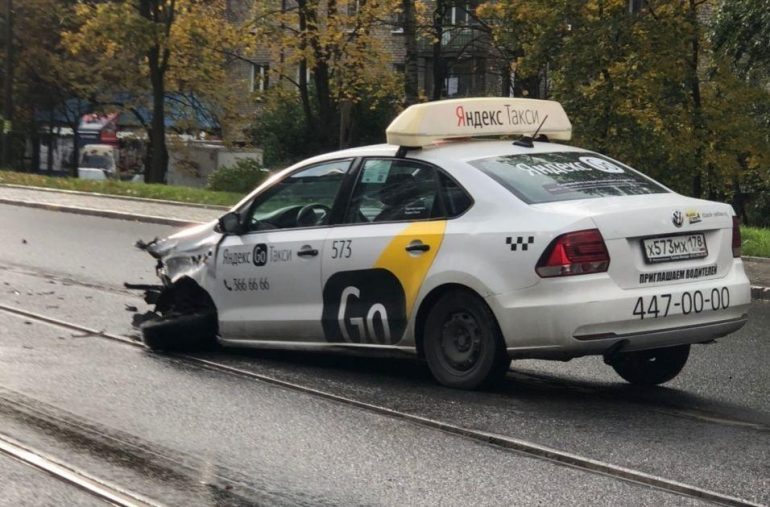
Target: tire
(177, 333)
(462, 342)
(651, 367)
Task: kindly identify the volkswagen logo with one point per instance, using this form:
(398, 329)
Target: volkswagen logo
(678, 218)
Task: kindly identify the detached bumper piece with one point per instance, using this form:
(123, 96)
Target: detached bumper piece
(151, 292)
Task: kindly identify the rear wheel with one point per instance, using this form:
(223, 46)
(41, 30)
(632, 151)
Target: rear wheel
(651, 367)
(462, 342)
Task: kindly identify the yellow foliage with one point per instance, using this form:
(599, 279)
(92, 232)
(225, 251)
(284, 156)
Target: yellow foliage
(331, 37)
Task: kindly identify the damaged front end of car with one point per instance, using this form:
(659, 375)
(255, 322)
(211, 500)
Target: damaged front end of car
(184, 314)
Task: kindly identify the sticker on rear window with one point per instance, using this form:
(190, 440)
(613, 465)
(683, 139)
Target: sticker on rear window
(601, 164)
(549, 177)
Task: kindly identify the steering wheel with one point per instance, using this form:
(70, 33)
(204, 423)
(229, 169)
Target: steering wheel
(307, 216)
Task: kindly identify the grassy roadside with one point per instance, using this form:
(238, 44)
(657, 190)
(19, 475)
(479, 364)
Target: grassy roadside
(756, 241)
(112, 187)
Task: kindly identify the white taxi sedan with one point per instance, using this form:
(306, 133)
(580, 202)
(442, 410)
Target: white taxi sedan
(468, 252)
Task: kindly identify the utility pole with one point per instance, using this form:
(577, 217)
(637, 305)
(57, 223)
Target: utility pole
(8, 88)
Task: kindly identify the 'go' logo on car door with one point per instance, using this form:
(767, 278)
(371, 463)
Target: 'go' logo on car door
(364, 306)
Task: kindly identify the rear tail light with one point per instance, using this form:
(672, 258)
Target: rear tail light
(574, 253)
(736, 237)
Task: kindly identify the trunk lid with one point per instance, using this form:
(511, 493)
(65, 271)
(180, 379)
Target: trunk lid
(665, 221)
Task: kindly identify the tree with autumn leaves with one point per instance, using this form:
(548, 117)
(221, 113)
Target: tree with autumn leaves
(148, 55)
(648, 87)
(329, 55)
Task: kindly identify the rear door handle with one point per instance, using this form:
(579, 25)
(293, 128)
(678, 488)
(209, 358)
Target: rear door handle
(417, 246)
(307, 252)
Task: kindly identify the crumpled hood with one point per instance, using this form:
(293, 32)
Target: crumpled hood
(185, 253)
(185, 241)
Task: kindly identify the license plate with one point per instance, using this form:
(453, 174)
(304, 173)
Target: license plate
(674, 248)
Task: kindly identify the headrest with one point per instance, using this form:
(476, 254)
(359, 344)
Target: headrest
(399, 189)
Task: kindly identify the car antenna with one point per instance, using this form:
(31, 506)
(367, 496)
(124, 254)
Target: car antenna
(526, 141)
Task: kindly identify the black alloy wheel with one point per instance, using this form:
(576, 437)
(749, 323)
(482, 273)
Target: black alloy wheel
(462, 342)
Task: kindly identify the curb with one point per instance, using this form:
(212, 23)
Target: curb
(120, 197)
(131, 217)
(761, 260)
(759, 293)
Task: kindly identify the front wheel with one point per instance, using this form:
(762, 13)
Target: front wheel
(651, 367)
(462, 342)
(179, 333)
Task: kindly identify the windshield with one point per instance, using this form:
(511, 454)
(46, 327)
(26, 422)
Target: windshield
(96, 161)
(549, 177)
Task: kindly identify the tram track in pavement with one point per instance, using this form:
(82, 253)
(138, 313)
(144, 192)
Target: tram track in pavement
(524, 447)
(68, 473)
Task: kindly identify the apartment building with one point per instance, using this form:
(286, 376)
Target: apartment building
(460, 62)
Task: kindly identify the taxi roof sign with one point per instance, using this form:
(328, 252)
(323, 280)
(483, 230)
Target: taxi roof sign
(423, 124)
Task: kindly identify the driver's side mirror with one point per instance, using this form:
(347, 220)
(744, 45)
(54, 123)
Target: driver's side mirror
(230, 223)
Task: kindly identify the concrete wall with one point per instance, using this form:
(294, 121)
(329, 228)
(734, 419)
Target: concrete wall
(190, 164)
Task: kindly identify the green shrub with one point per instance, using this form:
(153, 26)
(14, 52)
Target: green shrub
(242, 177)
(756, 241)
(281, 130)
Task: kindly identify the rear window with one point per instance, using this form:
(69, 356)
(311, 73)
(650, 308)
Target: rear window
(549, 177)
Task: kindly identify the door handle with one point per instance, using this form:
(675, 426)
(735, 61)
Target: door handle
(307, 252)
(417, 246)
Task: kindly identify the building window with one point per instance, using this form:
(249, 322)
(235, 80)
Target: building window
(260, 76)
(462, 14)
(464, 78)
(398, 22)
(353, 7)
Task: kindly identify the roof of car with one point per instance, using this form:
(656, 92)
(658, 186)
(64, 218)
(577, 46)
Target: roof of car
(467, 149)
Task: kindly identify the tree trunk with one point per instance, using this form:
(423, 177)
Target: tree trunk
(506, 83)
(156, 171)
(49, 155)
(411, 85)
(8, 84)
(327, 108)
(302, 83)
(160, 13)
(327, 112)
(695, 93)
(75, 152)
(346, 124)
(35, 148)
(439, 69)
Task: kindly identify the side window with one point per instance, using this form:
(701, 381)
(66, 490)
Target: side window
(456, 200)
(303, 199)
(394, 190)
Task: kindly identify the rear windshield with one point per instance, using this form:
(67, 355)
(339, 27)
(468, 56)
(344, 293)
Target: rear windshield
(549, 177)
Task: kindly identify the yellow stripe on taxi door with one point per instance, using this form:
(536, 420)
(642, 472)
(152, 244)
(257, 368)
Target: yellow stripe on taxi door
(411, 268)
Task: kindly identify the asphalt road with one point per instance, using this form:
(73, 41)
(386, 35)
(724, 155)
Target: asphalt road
(185, 435)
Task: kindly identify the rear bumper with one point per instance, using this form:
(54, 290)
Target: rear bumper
(585, 315)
